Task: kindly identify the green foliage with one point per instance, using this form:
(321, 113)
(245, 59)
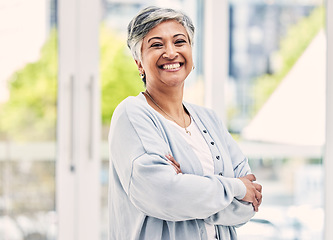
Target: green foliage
(30, 112)
(119, 74)
(292, 46)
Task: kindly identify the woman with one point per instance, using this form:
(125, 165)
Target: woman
(175, 171)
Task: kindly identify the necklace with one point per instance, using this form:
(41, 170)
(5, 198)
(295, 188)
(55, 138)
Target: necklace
(151, 98)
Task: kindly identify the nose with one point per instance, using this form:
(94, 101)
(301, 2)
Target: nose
(170, 52)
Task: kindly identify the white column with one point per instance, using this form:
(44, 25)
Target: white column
(328, 157)
(216, 45)
(78, 130)
(65, 185)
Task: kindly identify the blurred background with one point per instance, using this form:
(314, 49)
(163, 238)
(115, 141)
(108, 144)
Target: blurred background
(273, 102)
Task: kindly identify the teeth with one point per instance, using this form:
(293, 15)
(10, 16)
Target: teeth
(171, 66)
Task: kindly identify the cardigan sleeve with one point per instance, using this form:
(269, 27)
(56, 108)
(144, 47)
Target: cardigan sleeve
(137, 151)
(238, 212)
(239, 161)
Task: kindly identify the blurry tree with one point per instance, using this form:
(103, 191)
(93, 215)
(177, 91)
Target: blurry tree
(119, 74)
(298, 37)
(30, 112)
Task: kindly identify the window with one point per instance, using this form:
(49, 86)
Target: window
(277, 74)
(28, 92)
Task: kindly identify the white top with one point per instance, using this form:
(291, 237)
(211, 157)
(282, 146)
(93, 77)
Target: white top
(201, 149)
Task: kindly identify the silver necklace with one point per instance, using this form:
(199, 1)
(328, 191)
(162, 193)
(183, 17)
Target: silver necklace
(151, 98)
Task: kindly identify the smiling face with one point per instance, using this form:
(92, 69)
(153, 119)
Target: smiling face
(166, 55)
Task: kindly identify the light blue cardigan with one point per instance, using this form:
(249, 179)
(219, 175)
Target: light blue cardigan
(149, 201)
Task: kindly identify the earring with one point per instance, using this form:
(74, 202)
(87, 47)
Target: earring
(142, 75)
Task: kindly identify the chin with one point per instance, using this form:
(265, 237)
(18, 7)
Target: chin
(174, 83)
(175, 80)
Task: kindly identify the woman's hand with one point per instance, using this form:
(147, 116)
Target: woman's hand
(173, 162)
(253, 191)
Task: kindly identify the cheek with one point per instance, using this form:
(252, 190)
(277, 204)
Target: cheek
(189, 55)
(190, 59)
(149, 59)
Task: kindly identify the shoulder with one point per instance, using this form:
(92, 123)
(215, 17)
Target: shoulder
(132, 105)
(202, 112)
(208, 117)
(197, 108)
(134, 110)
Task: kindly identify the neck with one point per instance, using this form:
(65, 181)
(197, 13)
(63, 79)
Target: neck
(170, 101)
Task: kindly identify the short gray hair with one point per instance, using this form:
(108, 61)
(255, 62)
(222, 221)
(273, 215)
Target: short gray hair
(149, 18)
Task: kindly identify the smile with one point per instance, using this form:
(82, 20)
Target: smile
(172, 66)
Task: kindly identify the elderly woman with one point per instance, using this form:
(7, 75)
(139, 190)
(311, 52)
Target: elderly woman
(175, 171)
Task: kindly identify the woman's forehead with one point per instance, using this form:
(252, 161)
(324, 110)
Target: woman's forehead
(166, 29)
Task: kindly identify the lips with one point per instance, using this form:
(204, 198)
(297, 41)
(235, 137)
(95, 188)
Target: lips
(171, 66)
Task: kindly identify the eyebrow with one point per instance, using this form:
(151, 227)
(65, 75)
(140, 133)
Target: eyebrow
(159, 38)
(154, 38)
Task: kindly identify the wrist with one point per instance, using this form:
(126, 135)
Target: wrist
(240, 189)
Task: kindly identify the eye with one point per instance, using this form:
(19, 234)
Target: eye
(156, 45)
(180, 42)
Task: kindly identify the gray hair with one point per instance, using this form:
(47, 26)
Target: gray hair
(149, 18)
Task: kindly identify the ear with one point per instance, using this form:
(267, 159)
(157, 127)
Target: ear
(140, 67)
